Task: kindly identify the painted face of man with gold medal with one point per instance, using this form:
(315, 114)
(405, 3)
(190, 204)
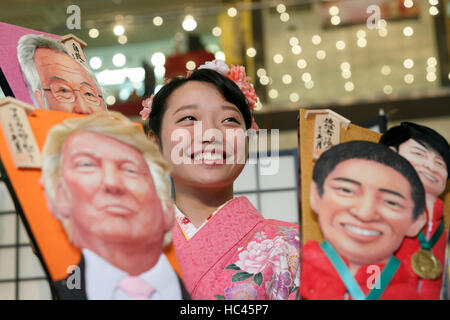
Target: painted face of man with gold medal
(429, 154)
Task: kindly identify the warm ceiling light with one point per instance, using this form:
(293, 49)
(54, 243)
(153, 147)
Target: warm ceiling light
(93, 33)
(287, 79)
(278, 58)
(408, 31)
(189, 23)
(333, 11)
(387, 89)
(110, 100)
(346, 74)
(95, 63)
(431, 76)
(273, 93)
(119, 60)
(349, 86)
(382, 24)
(361, 34)
(316, 39)
(306, 77)
(264, 80)
(321, 54)
(409, 78)
(158, 21)
(431, 69)
(408, 3)
(122, 39)
(293, 41)
(345, 66)
(340, 45)
(294, 97)
(335, 20)
(220, 55)
(251, 52)
(216, 31)
(284, 17)
(190, 65)
(296, 49)
(433, 11)
(362, 42)
(158, 59)
(309, 84)
(431, 61)
(386, 70)
(302, 64)
(383, 32)
(408, 63)
(232, 12)
(261, 72)
(281, 8)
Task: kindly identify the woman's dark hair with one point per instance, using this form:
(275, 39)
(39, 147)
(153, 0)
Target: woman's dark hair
(229, 90)
(366, 150)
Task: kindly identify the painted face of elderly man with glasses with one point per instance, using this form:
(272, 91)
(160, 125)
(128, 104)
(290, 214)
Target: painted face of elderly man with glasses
(55, 80)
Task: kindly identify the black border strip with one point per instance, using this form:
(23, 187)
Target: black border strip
(5, 85)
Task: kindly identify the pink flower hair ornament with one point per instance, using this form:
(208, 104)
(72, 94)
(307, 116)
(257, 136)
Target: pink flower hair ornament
(238, 75)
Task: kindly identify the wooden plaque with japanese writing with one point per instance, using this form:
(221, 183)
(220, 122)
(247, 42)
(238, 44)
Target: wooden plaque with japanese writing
(75, 47)
(21, 141)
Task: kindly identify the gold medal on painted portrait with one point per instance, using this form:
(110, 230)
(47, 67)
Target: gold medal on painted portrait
(425, 264)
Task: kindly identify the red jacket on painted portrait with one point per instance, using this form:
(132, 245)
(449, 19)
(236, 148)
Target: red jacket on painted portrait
(427, 289)
(320, 281)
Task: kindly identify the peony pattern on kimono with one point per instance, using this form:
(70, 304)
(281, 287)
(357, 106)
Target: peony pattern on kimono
(278, 287)
(260, 235)
(274, 258)
(241, 291)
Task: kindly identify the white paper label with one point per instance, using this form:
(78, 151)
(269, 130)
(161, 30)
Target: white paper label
(20, 138)
(326, 133)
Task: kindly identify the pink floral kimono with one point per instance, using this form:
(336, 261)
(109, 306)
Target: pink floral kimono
(239, 255)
